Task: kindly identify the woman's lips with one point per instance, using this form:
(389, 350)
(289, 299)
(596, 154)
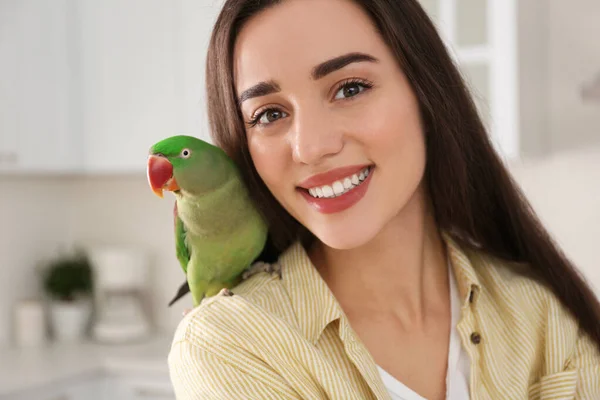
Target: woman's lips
(327, 178)
(341, 202)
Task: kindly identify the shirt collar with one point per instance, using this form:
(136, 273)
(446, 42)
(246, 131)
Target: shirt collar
(315, 306)
(464, 266)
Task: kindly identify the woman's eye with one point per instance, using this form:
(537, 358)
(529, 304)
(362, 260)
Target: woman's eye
(350, 90)
(270, 116)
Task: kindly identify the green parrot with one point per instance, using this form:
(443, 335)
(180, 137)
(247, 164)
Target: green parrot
(220, 236)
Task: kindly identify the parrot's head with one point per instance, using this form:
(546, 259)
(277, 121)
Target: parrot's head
(186, 165)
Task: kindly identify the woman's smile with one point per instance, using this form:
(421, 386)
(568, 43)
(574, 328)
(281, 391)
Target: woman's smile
(337, 190)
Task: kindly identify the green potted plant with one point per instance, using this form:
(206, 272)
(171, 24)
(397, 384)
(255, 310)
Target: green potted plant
(68, 282)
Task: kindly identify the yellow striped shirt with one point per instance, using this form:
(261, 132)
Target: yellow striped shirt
(289, 339)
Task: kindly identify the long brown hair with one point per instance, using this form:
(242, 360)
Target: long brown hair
(473, 195)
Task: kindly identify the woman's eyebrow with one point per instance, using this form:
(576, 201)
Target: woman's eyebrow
(318, 72)
(340, 62)
(260, 89)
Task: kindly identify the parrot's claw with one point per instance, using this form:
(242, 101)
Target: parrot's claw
(225, 292)
(260, 266)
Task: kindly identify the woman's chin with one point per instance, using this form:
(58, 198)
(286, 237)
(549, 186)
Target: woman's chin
(343, 236)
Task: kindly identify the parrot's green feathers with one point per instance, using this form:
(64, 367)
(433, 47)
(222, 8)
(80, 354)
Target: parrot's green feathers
(182, 150)
(174, 145)
(181, 249)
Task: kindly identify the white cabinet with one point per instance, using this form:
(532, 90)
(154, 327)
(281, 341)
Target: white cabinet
(195, 20)
(129, 96)
(142, 64)
(88, 86)
(37, 87)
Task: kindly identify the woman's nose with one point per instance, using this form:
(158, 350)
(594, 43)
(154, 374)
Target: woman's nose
(315, 137)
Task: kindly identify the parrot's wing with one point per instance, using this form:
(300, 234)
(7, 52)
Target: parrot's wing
(268, 255)
(181, 249)
(182, 252)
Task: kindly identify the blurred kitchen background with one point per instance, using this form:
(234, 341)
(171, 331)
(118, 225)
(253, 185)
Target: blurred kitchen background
(86, 86)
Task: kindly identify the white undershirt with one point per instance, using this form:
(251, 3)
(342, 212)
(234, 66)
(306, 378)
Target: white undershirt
(457, 376)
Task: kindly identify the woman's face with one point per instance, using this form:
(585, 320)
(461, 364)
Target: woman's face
(332, 124)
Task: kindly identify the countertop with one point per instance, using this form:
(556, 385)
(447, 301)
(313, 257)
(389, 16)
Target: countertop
(25, 368)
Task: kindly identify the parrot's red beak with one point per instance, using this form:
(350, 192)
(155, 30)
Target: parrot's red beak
(160, 175)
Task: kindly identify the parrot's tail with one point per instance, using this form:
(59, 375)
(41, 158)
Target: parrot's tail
(183, 290)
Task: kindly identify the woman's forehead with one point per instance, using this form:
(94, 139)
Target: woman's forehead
(293, 37)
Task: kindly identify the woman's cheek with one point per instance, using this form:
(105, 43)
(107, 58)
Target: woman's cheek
(268, 158)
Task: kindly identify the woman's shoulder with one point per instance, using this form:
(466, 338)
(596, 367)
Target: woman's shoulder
(259, 298)
(521, 281)
(517, 288)
(221, 347)
(529, 310)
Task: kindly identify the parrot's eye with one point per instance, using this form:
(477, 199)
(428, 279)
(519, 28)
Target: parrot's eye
(185, 153)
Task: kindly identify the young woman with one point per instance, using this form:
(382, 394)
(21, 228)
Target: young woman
(412, 266)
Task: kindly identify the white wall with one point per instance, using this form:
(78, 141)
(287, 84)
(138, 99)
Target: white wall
(565, 192)
(124, 211)
(38, 215)
(573, 59)
(34, 222)
(559, 52)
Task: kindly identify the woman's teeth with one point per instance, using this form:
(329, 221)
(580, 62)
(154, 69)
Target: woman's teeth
(340, 187)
